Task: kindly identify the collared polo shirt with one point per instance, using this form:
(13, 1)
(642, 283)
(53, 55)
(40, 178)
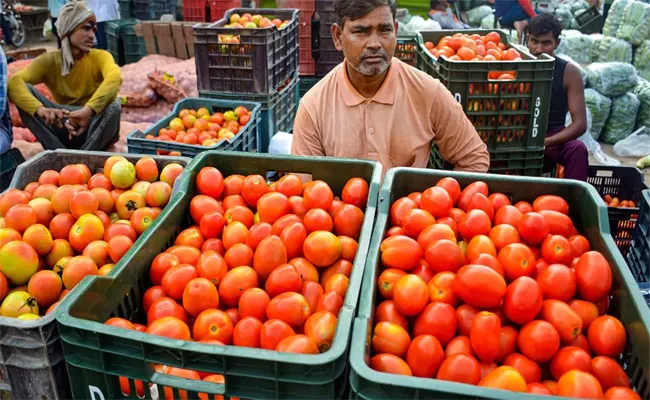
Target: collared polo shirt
(395, 127)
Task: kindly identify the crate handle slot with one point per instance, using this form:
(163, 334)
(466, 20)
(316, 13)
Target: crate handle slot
(165, 380)
(494, 76)
(229, 39)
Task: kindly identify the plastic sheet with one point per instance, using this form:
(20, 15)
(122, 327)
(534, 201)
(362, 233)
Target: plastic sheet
(635, 145)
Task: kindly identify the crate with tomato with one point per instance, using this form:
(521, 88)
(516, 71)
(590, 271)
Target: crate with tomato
(485, 286)
(504, 91)
(66, 215)
(638, 257)
(245, 289)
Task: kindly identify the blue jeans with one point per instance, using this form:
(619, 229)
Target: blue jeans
(513, 14)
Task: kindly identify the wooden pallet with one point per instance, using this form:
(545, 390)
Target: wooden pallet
(173, 39)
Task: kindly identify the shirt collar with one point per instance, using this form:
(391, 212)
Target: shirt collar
(385, 95)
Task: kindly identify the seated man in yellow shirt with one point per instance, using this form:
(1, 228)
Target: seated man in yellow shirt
(83, 81)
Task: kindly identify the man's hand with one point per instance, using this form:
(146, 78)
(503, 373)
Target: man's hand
(78, 121)
(52, 116)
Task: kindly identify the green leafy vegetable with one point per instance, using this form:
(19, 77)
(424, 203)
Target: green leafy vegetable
(612, 79)
(622, 118)
(635, 27)
(642, 59)
(612, 49)
(615, 17)
(642, 91)
(599, 107)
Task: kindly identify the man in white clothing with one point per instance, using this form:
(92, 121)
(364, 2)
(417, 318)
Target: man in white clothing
(105, 10)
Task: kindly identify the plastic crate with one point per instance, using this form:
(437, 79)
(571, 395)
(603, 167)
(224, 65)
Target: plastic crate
(626, 183)
(508, 115)
(306, 83)
(523, 163)
(147, 10)
(195, 10)
(589, 216)
(31, 356)
(98, 354)
(245, 140)
(326, 56)
(277, 110)
(590, 21)
(645, 292)
(219, 7)
(125, 46)
(9, 161)
(126, 9)
(639, 253)
(260, 62)
(306, 8)
(406, 50)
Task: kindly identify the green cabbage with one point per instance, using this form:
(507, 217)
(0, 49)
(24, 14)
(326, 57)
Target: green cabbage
(635, 27)
(642, 59)
(615, 17)
(612, 79)
(612, 49)
(476, 15)
(642, 91)
(599, 107)
(622, 118)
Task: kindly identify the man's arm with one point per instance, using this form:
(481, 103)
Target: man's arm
(33, 74)
(577, 108)
(306, 138)
(527, 7)
(110, 87)
(455, 136)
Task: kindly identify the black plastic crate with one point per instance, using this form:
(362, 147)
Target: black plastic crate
(126, 9)
(638, 257)
(626, 183)
(406, 50)
(153, 9)
(521, 163)
(277, 110)
(326, 56)
(9, 161)
(509, 115)
(645, 292)
(256, 61)
(590, 21)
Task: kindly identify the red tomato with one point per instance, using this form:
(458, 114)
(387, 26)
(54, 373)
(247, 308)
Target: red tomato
(209, 181)
(452, 187)
(480, 244)
(557, 249)
(425, 356)
(459, 345)
(551, 202)
(568, 358)
(480, 202)
(387, 280)
(538, 340)
(441, 288)
(475, 222)
(469, 191)
(567, 323)
(437, 319)
(609, 373)
(461, 368)
(437, 201)
(176, 278)
(524, 207)
(399, 208)
(485, 336)
(416, 220)
(593, 276)
(517, 260)
(558, 223)
(289, 307)
(507, 342)
(506, 378)
(538, 388)
(444, 255)
(479, 286)
(465, 315)
(606, 336)
(557, 282)
(499, 200)
(579, 244)
(410, 295)
(503, 235)
(247, 332)
(273, 332)
(391, 364)
(523, 300)
(508, 215)
(355, 192)
(387, 312)
(533, 228)
(400, 252)
(621, 393)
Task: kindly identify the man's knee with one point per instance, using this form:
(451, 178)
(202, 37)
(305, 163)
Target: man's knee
(577, 148)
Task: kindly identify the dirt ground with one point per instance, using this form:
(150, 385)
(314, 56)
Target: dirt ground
(628, 162)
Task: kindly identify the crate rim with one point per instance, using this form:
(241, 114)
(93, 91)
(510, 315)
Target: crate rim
(357, 353)
(261, 11)
(338, 348)
(640, 176)
(46, 319)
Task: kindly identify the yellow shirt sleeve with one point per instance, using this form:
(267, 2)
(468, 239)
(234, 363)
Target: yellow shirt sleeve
(34, 74)
(110, 86)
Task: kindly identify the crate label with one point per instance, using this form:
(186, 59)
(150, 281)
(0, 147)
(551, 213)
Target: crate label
(95, 393)
(605, 173)
(538, 102)
(458, 98)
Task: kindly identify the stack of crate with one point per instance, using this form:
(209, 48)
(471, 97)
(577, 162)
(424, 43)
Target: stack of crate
(207, 10)
(259, 65)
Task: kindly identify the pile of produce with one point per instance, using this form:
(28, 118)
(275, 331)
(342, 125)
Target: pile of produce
(642, 91)
(464, 47)
(152, 114)
(71, 224)
(175, 82)
(599, 107)
(478, 291)
(573, 43)
(612, 49)
(635, 26)
(642, 59)
(257, 21)
(199, 127)
(615, 17)
(612, 79)
(622, 118)
(262, 266)
(136, 90)
(616, 202)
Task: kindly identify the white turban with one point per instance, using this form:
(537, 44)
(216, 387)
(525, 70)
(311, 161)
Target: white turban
(71, 16)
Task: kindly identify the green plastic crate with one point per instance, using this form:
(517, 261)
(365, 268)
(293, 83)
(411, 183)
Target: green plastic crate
(277, 111)
(31, 355)
(126, 9)
(508, 115)
(245, 140)
(125, 46)
(523, 163)
(306, 83)
(97, 354)
(590, 217)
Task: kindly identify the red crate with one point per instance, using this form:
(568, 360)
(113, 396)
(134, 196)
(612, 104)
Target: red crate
(307, 9)
(219, 7)
(194, 10)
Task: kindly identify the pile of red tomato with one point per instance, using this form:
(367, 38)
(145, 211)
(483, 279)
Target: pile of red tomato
(478, 291)
(263, 266)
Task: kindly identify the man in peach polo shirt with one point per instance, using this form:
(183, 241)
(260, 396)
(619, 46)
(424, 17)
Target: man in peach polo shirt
(374, 106)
